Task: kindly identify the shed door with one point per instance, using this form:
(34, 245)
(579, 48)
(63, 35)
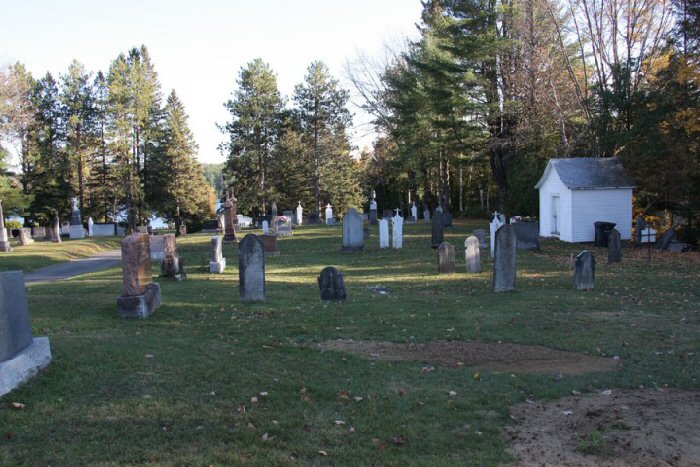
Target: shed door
(555, 214)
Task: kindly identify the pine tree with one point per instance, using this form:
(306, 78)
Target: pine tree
(254, 131)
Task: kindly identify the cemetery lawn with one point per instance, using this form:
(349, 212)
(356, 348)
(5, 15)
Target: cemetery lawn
(44, 253)
(208, 380)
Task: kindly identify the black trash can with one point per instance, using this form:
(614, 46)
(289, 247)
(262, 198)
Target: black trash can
(602, 229)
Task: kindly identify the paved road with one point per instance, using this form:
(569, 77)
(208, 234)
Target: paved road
(76, 267)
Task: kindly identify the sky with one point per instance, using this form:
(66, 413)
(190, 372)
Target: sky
(199, 46)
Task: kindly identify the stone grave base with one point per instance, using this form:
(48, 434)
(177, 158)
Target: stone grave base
(5, 247)
(140, 306)
(217, 267)
(25, 365)
(76, 232)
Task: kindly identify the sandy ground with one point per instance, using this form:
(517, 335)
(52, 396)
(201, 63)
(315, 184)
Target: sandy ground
(637, 428)
(492, 356)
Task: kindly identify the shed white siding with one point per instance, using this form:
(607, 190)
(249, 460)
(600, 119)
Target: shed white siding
(608, 205)
(553, 186)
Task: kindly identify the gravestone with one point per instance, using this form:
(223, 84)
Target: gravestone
(446, 258)
(640, 225)
(103, 230)
(528, 235)
(157, 246)
(56, 233)
(182, 230)
(269, 243)
(172, 265)
(426, 216)
(472, 254)
(387, 214)
(21, 355)
(76, 229)
(25, 237)
(230, 219)
(353, 236)
(65, 228)
(494, 225)
(217, 265)
(39, 232)
(438, 229)
(221, 222)
(210, 225)
(373, 212)
(331, 282)
(284, 226)
(274, 210)
(266, 227)
(666, 239)
(397, 231)
(414, 212)
(4, 240)
(584, 271)
(141, 295)
(481, 235)
(614, 246)
(251, 269)
(504, 265)
(329, 215)
(383, 233)
(300, 214)
(90, 223)
(446, 217)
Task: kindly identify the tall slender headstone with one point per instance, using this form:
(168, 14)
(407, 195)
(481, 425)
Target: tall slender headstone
(141, 295)
(584, 271)
(230, 218)
(353, 235)
(265, 227)
(446, 258)
(504, 265)
(172, 264)
(90, 224)
(383, 233)
(217, 265)
(221, 222)
(4, 240)
(77, 231)
(329, 214)
(373, 210)
(438, 229)
(56, 231)
(331, 282)
(494, 226)
(397, 231)
(426, 216)
(614, 246)
(251, 269)
(274, 210)
(414, 211)
(300, 214)
(472, 254)
(21, 355)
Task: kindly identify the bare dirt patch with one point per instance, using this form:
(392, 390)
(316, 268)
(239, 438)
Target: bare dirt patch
(492, 356)
(625, 428)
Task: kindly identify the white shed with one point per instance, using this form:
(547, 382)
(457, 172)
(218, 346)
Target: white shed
(575, 193)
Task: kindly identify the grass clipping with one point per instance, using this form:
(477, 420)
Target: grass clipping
(491, 356)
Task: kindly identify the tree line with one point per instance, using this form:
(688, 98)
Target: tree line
(472, 111)
(290, 154)
(108, 140)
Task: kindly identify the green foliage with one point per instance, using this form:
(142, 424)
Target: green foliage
(594, 443)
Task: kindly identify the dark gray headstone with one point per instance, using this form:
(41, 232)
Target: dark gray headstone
(614, 246)
(472, 254)
(446, 218)
(481, 235)
(584, 271)
(373, 216)
(353, 235)
(438, 230)
(331, 282)
(446, 258)
(251, 269)
(640, 225)
(528, 235)
(388, 214)
(666, 239)
(15, 329)
(504, 264)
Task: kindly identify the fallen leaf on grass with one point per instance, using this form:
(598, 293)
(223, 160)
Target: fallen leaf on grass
(607, 392)
(427, 369)
(251, 427)
(263, 393)
(567, 412)
(451, 393)
(357, 398)
(343, 394)
(323, 453)
(16, 405)
(339, 422)
(397, 440)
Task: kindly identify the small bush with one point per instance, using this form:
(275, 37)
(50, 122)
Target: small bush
(594, 444)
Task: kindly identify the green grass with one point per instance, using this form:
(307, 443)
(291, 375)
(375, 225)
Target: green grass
(44, 253)
(177, 388)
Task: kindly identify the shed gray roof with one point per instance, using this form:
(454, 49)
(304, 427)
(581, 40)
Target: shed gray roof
(588, 173)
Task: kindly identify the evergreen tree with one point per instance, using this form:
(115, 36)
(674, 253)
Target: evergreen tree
(325, 119)
(253, 133)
